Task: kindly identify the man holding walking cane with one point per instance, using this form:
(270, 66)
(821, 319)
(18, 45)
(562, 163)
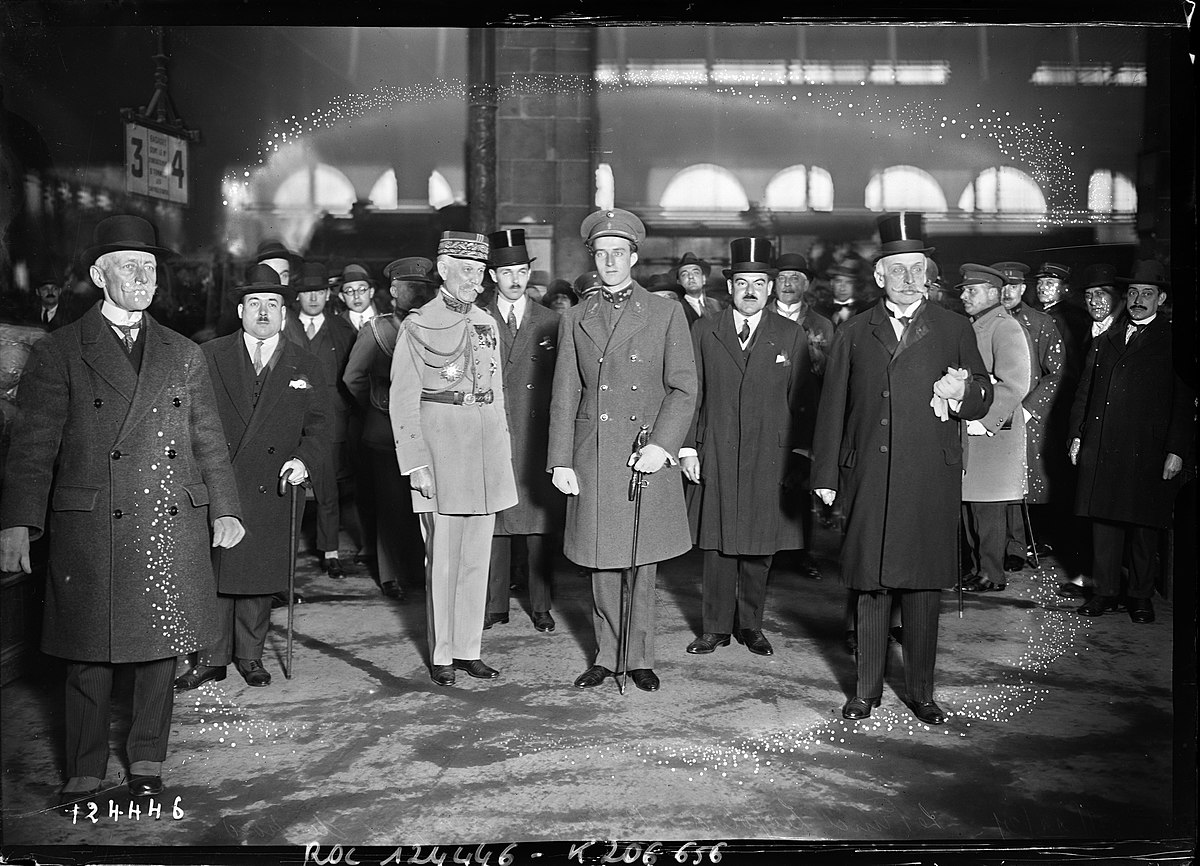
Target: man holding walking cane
(625, 360)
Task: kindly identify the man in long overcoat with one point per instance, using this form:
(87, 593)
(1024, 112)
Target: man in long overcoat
(887, 444)
(119, 438)
(994, 445)
(528, 346)
(691, 272)
(752, 417)
(1133, 423)
(272, 399)
(448, 422)
(624, 361)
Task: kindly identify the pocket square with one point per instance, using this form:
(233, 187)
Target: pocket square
(300, 384)
(782, 359)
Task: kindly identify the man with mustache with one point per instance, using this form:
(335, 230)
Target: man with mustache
(1133, 421)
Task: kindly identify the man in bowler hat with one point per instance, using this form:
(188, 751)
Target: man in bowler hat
(119, 437)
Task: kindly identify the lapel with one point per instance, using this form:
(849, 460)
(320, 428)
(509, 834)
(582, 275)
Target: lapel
(105, 356)
(229, 369)
(590, 322)
(764, 343)
(916, 331)
(726, 335)
(274, 386)
(633, 318)
(1138, 342)
(520, 343)
(506, 337)
(157, 367)
(881, 327)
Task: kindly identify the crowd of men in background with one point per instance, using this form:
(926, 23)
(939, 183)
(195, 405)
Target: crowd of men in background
(463, 427)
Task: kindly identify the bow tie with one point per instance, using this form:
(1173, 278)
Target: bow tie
(456, 305)
(903, 320)
(617, 298)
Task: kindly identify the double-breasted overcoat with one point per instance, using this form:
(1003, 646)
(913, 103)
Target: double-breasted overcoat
(134, 468)
(606, 386)
(753, 410)
(895, 465)
(289, 420)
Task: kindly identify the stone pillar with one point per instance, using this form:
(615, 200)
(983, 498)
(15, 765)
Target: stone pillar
(481, 128)
(546, 140)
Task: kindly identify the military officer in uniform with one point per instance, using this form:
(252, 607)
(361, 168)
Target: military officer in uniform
(624, 360)
(448, 421)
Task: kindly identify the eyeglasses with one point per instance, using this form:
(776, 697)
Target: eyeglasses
(354, 293)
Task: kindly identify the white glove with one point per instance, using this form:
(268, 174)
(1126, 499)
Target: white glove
(827, 495)
(976, 428)
(564, 480)
(297, 469)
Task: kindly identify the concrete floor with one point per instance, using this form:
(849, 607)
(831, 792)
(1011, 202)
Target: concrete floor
(1060, 729)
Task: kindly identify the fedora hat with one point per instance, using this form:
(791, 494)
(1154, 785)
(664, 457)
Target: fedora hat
(508, 248)
(901, 233)
(261, 279)
(794, 262)
(123, 232)
(313, 277)
(355, 273)
(690, 258)
(273, 248)
(750, 256)
(1148, 272)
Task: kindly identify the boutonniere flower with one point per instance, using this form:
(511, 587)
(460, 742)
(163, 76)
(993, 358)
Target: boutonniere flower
(781, 358)
(300, 384)
(546, 343)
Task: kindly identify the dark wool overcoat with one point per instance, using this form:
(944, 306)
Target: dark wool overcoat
(528, 364)
(1045, 379)
(896, 467)
(606, 386)
(754, 408)
(289, 420)
(1130, 412)
(134, 469)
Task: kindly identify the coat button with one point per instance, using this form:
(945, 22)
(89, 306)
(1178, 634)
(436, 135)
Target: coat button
(270, 449)
(116, 455)
(530, 386)
(173, 510)
(171, 453)
(603, 387)
(97, 402)
(117, 514)
(262, 489)
(633, 387)
(883, 421)
(886, 394)
(601, 361)
(883, 449)
(176, 402)
(604, 417)
(633, 417)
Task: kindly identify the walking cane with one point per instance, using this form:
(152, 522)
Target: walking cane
(283, 483)
(958, 564)
(636, 482)
(1033, 554)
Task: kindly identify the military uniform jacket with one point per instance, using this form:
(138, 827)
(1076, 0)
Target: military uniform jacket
(142, 470)
(752, 412)
(606, 386)
(995, 464)
(528, 364)
(289, 420)
(1045, 378)
(368, 378)
(466, 446)
(1131, 410)
(896, 467)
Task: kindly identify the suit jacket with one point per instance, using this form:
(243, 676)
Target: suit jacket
(830, 310)
(331, 346)
(528, 364)
(1045, 378)
(289, 420)
(134, 468)
(1131, 410)
(896, 467)
(819, 331)
(606, 386)
(712, 309)
(751, 413)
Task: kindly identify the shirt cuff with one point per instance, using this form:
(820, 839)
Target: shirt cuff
(414, 469)
(688, 452)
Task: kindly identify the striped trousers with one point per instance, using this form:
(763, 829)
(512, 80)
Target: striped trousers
(919, 610)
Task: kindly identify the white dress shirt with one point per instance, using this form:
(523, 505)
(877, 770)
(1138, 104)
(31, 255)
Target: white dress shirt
(1131, 328)
(789, 312)
(899, 311)
(268, 348)
(697, 303)
(360, 319)
(117, 316)
(739, 319)
(316, 321)
(517, 307)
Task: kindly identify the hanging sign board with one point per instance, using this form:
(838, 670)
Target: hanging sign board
(156, 164)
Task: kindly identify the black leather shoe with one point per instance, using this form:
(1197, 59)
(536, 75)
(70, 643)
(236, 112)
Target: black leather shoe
(809, 569)
(542, 620)
(979, 583)
(593, 676)
(755, 641)
(859, 708)
(145, 786)
(707, 642)
(198, 676)
(1013, 563)
(476, 668)
(254, 673)
(1141, 610)
(1071, 590)
(852, 642)
(1097, 605)
(279, 599)
(645, 679)
(391, 589)
(491, 619)
(442, 675)
(333, 567)
(927, 711)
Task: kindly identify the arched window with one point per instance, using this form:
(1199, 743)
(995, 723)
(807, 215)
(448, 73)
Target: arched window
(704, 187)
(385, 195)
(440, 193)
(1111, 192)
(321, 186)
(605, 187)
(1003, 190)
(800, 188)
(905, 187)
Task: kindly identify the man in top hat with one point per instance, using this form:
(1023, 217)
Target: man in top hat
(899, 376)
(1133, 421)
(279, 258)
(843, 283)
(1045, 378)
(751, 419)
(273, 404)
(329, 338)
(119, 440)
(1103, 299)
(624, 361)
(528, 346)
(790, 300)
(358, 296)
(451, 434)
(691, 272)
(994, 445)
(395, 552)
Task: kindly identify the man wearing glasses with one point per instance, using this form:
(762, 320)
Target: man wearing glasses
(356, 294)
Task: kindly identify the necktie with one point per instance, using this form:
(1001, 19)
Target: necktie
(311, 330)
(512, 320)
(617, 298)
(45, 316)
(1131, 334)
(744, 333)
(127, 335)
(258, 361)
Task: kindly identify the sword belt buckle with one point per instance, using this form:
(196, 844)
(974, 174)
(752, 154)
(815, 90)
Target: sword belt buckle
(468, 399)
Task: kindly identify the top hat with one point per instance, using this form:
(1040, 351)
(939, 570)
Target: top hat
(613, 222)
(1099, 276)
(413, 269)
(750, 256)
(1013, 272)
(588, 282)
(123, 232)
(1054, 271)
(261, 279)
(690, 258)
(794, 262)
(973, 275)
(508, 248)
(1148, 272)
(274, 249)
(313, 277)
(355, 273)
(901, 233)
(464, 245)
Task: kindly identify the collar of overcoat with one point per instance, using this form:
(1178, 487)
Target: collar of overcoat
(232, 375)
(916, 331)
(632, 320)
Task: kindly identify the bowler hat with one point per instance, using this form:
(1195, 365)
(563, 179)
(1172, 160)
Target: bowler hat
(508, 248)
(261, 279)
(750, 256)
(1097, 276)
(1147, 272)
(690, 258)
(901, 233)
(123, 232)
(464, 245)
(413, 269)
(794, 262)
(615, 223)
(1013, 272)
(1054, 271)
(973, 275)
(313, 277)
